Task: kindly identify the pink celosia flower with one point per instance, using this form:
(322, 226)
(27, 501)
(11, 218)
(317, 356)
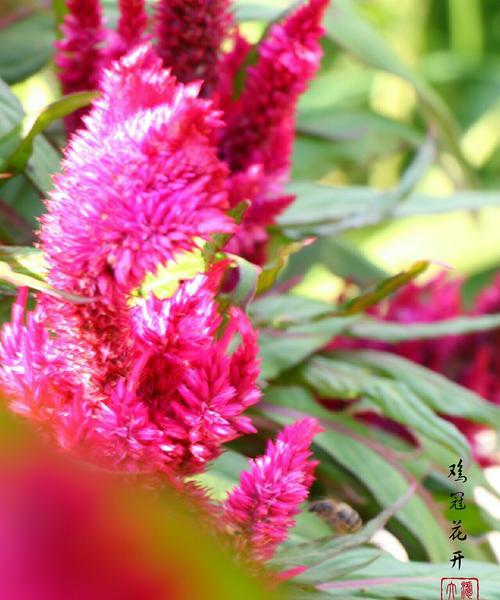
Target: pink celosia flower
(257, 141)
(263, 115)
(190, 34)
(151, 386)
(471, 360)
(261, 510)
(480, 353)
(133, 21)
(230, 65)
(130, 31)
(78, 53)
(140, 184)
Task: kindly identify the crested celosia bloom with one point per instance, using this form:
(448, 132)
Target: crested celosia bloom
(133, 20)
(190, 34)
(256, 142)
(260, 124)
(130, 31)
(78, 53)
(140, 183)
(480, 353)
(139, 384)
(260, 511)
(471, 360)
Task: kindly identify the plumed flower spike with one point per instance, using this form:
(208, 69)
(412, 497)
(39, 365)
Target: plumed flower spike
(131, 29)
(261, 510)
(480, 352)
(190, 34)
(132, 22)
(140, 183)
(257, 141)
(78, 53)
(174, 394)
(260, 127)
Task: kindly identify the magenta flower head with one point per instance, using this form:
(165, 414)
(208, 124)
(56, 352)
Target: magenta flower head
(480, 353)
(261, 510)
(471, 360)
(190, 35)
(78, 53)
(131, 29)
(260, 125)
(140, 183)
(136, 383)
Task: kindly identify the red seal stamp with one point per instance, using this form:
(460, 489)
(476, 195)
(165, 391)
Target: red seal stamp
(459, 588)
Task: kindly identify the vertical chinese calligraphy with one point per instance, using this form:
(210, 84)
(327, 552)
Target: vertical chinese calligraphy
(458, 588)
(456, 504)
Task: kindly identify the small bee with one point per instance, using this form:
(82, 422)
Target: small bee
(341, 517)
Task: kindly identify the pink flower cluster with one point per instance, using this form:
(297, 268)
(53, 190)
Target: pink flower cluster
(256, 140)
(261, 510)
(78, 52)
(480, 353)
(152, 384)
(190, 34)
(471, 360)
(147, 384)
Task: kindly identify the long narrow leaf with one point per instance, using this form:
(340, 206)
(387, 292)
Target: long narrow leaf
(57, 110)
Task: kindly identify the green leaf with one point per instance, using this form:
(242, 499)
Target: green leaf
(439, 393)
(281, 350)
(60, 9)
(368, 133)
(25, 260)
(324, 210)
(282, 309)
(45, 160)
(349, 444)
(25, 46)
(341, 257)
(271, 270)
(390, 578)
(397, 332)
(259, 11)
(248, 277)
(22, 280)
(11, 111)
(23, 199)
(57, 110)
(286, 309)
(164, 283)
(218, 241)
(223, 474)
(388, 201)
(383, 289)
(331, 378)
